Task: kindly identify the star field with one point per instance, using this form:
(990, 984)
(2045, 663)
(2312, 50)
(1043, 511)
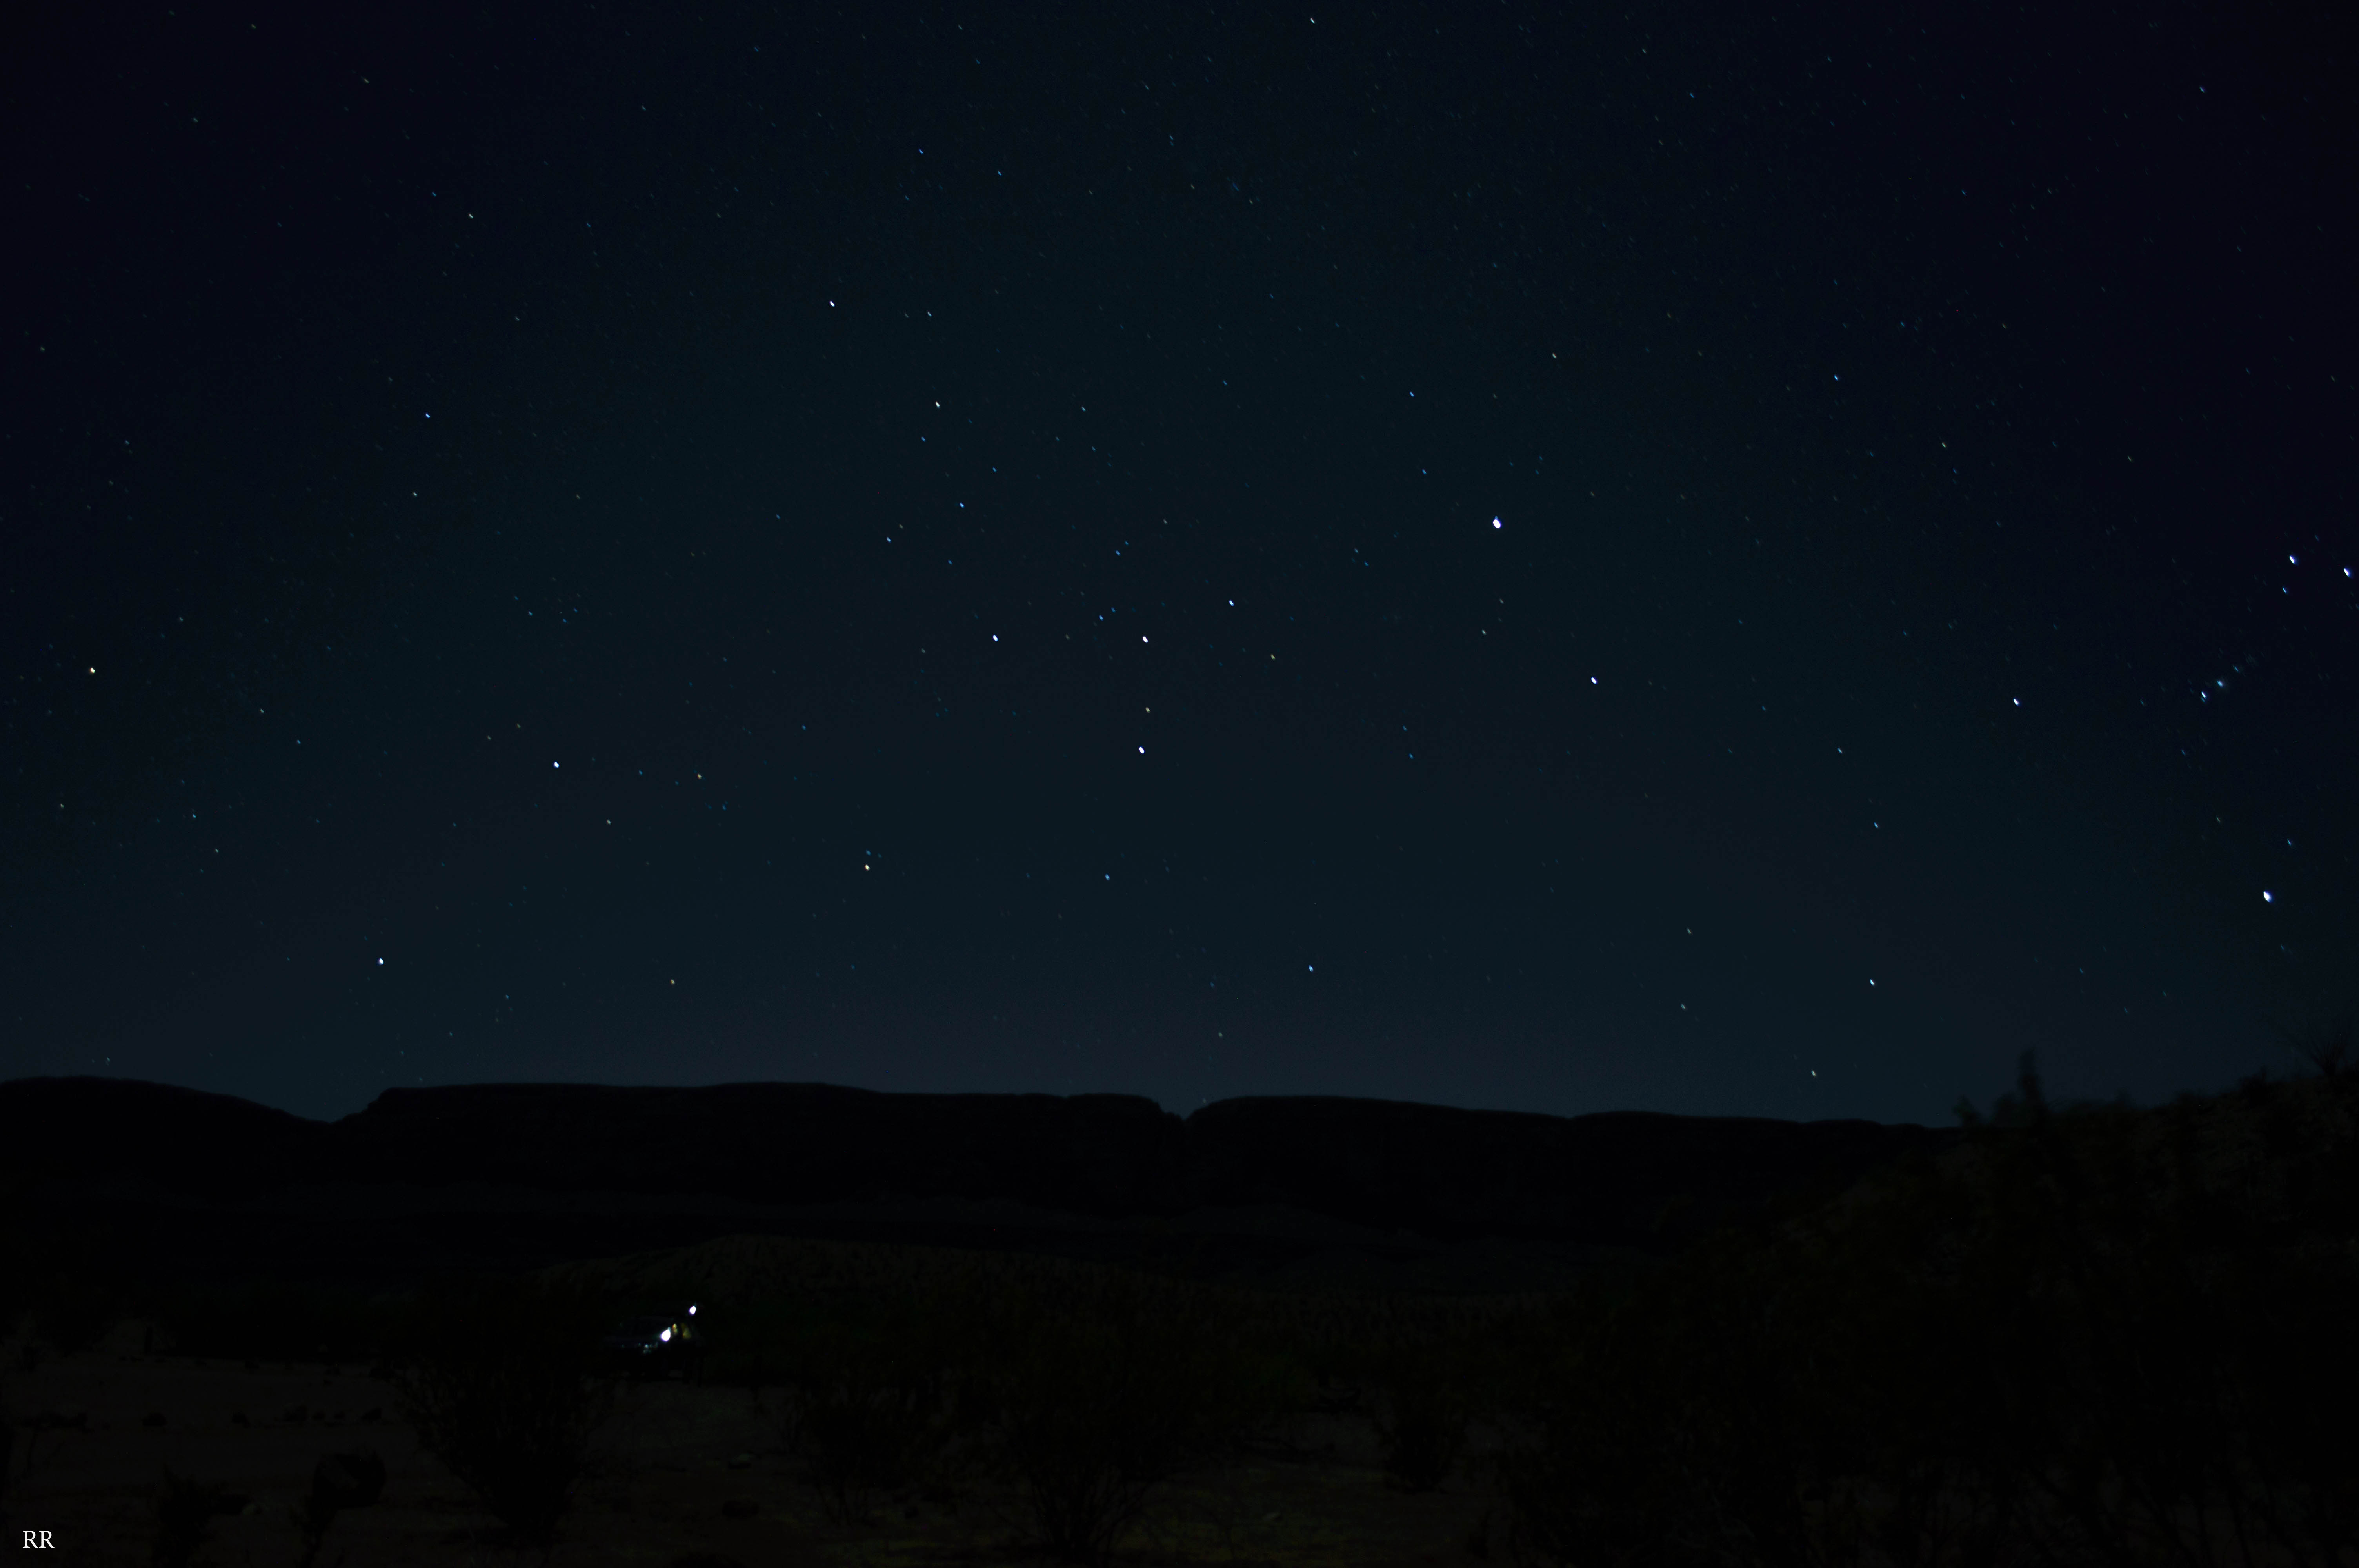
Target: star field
(1716, 563)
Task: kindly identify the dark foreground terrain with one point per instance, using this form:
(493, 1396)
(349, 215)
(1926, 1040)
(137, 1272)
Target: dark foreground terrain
(1320, 1332)
(677, 1469)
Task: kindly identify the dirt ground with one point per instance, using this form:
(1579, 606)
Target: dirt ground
(680, 1470)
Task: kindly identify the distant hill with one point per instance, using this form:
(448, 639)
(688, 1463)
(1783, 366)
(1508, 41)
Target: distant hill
(525, 1174)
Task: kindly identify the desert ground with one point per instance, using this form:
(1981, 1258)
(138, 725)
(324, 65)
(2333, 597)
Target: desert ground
(683, 1474)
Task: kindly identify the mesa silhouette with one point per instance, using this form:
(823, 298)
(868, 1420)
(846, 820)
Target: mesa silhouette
(520, 1175)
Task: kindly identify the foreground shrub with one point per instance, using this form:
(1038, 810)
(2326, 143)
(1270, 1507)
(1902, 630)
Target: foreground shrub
(338, 1481)
(503, 1384)
(1101, 1389)
(185, 1509)
(2095, 1336)
(1421, 1425)
(869, 1405)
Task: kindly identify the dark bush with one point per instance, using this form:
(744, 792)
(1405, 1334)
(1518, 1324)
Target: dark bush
(502, 1382)
(1421, 1425)
(869, 1404)
(2095, 1335)
(338, 1481)
(185, 1509)
(754, 1345)
(1101, 1390)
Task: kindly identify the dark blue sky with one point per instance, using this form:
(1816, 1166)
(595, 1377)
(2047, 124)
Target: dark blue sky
(1489, 554)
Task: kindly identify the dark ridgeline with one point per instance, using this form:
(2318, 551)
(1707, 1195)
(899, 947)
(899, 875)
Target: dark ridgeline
(540, 1171)
(1617, 1178)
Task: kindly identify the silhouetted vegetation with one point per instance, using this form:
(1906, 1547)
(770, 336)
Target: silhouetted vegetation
(2096, 1334)
(1422, 1423)
(503, 1383)
(1099, 1392)
(2331, 1046)
(1082, 1388)
(869, 1404)
(340, 1481)
(185, 1509)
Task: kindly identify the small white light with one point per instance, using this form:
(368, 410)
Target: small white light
(556, 764)
(1497, 524)
(665, 1336)
(691, 1311)
(380, 963)
(1142, 751)
(2268, 898)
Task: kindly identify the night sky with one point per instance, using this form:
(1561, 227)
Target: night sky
(1505, 555)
